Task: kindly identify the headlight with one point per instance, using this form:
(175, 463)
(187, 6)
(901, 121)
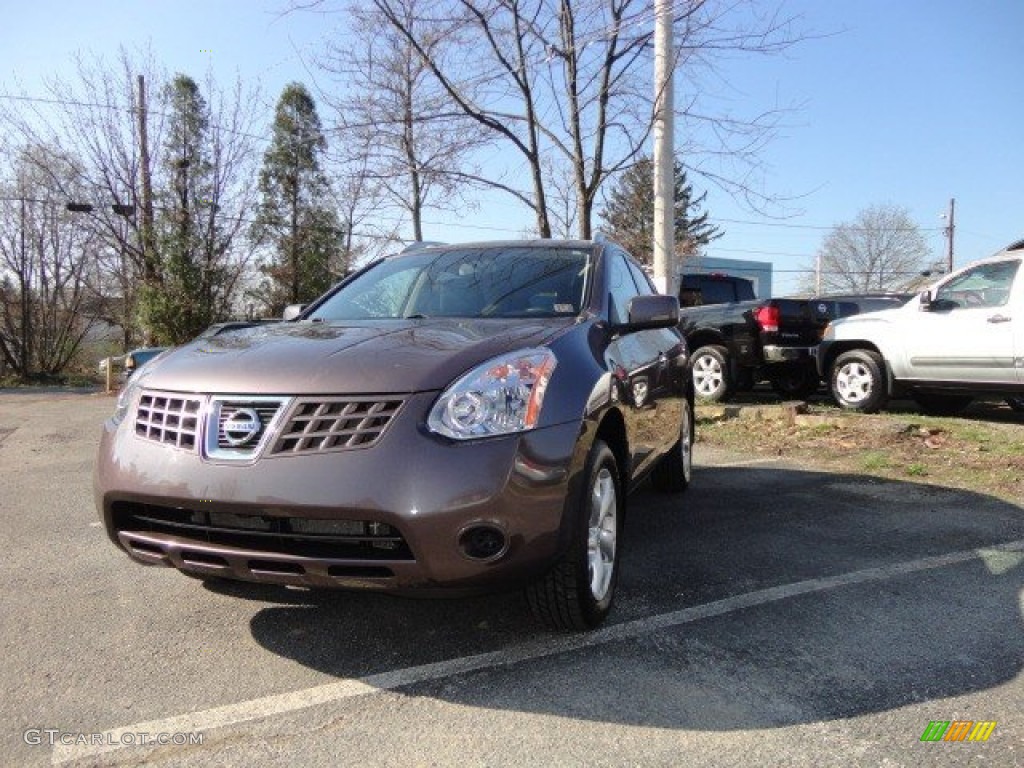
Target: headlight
(125, 398)
(132, 386)
(500, 397)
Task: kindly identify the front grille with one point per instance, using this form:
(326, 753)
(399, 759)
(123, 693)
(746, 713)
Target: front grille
(335, 424)
(266, 412)
(305, 537)
(171, 419)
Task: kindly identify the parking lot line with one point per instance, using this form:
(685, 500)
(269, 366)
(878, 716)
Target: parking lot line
(268, 706)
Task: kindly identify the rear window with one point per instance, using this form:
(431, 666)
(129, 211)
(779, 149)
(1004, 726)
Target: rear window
(714, 289)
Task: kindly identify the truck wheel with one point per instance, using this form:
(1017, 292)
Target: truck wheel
(795, 382)
(941, 405)
(577, 592)
(858, 381)
(1016, 403)
(672, 472)
(711, 381)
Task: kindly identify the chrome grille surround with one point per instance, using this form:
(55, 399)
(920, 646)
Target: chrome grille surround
(224, 408)
(170, 418)
(318, 424)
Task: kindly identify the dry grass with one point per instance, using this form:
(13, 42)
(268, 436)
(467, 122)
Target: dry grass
(983, 452)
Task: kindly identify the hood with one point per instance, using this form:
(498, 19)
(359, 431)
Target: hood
(879, 317)
(365, 357)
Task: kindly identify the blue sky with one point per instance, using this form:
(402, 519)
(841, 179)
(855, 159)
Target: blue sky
(906, 102)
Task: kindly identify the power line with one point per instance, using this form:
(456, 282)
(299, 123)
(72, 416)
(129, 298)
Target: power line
(785, 225)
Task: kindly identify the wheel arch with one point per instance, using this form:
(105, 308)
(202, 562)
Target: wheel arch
(703, 338)
(840, 347)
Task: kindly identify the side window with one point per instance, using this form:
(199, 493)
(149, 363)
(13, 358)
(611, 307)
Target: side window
(986, 285)
(643, 283)
(620, 288)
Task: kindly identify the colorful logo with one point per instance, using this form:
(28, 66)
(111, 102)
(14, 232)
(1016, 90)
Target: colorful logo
(958, 730)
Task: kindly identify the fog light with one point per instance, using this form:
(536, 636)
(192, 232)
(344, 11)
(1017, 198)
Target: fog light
(483, 542)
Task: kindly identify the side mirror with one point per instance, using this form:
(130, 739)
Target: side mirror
(292, 311)
(925, 300)
(647, 312)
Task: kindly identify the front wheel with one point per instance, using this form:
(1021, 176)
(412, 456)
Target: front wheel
(711, 380)
(858, 381)
(672, 472)
(1016, 403)
(577, 592)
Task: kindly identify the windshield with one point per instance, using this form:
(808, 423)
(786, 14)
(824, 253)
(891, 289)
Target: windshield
(484, 282)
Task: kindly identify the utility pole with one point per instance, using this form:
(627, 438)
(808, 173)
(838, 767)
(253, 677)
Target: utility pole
(664, 151)
(26, 298)
(148, 246)
(817, 275)
(950, 228)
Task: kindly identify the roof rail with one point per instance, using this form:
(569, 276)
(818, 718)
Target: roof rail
(420, 244)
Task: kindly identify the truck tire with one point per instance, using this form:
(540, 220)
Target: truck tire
(711, 380)
(795, 382)
(858, 382)
(1016, 403)
(941, 405)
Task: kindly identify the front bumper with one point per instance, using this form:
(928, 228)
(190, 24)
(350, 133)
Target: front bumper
(394, 516)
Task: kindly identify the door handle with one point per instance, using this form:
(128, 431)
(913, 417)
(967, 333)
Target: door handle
(999, 319)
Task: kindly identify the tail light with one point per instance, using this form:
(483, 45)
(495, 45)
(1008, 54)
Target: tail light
(767, 318)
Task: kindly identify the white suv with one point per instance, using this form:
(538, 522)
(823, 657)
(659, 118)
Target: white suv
(962, 338)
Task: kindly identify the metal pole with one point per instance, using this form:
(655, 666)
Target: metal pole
(664, 151)
(26, 305)
(949, 235)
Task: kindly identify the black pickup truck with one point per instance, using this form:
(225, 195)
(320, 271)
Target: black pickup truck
(738, 340)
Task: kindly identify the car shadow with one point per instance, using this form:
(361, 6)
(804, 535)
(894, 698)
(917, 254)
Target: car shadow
(857, 645)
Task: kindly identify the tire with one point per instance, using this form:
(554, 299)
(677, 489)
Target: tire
(672, 472)
(577, 593)
(711, 380)
(795, 382)
(858, 381)
(1016, 403)
(941, 405)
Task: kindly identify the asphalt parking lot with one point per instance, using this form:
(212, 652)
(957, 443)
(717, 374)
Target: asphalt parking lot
(772, 615)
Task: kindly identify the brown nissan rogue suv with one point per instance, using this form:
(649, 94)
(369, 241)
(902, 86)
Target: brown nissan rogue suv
(451, 419)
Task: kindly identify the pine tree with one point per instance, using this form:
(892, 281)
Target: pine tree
(188, 294)
(294, 217)
(629, 213)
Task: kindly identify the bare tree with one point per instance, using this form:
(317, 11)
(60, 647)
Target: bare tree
(46, 263)
(98, 117)
(396, 121)
(565, 85)
(358, 198)
(882, 249)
